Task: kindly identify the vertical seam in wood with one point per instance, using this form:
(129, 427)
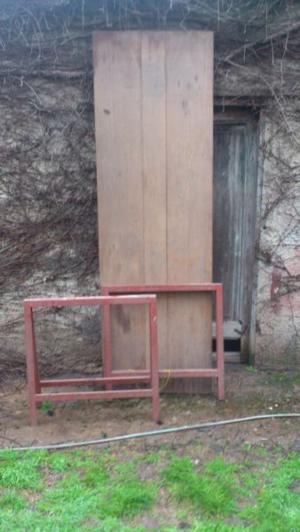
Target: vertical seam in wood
(166, 356)
(98, 160)
(142, 149)
(166, 155)
(143, 178)
(141, 43)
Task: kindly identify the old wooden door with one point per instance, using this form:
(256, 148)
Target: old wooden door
(154, 121)
(235, 200)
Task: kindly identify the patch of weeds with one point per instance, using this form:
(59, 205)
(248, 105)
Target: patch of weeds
(284, 379)
(277, 504)
(247, 447)
(213, 490)
(32, 521)
(48, 407)
(127, 495)
(152, 458)
(70, 497)
(183, 515)
(126, 471)
(95, 476)
(21, 470)
(112, 524)
(82, 459)
(127, 500)
(59, 462)
(12, 500)
(94, 492)
(251, 369)
(213, 526)
(279, 450)
(261, 451)
(249, 481)
(103, 456)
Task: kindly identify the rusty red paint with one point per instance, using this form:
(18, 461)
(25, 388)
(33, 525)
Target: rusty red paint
(283, 291)
(36, 385)
(275, 285)
(215, 288)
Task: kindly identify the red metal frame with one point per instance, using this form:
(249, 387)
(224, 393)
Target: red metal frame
(35, 384)
(216, 288)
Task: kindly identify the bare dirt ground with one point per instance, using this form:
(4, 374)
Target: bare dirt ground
(248, 392)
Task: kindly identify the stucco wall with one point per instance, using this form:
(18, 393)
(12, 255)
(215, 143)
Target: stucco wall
(48, 221)
(278, 253)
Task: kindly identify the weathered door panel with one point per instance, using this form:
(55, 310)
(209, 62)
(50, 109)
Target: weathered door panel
(235, 197)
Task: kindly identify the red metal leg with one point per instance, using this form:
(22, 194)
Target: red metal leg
(154, 363)
(220, 341)
(31, 363)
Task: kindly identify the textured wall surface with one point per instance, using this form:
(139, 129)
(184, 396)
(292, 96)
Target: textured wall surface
(278, 254)
(48, 221)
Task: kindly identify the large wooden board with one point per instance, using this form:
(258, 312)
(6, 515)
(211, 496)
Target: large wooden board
(153, 116)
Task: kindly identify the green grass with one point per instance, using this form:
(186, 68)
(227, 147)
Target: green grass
(47, 406)
(212, 490)
(282, 379)
(101, 491)
(251, 369)
(21, 471)
(278, 498)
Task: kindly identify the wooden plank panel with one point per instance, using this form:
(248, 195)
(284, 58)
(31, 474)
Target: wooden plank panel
(154, 172)
(154, 156)
(189, 70)
(118, 119)
(119, 159)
